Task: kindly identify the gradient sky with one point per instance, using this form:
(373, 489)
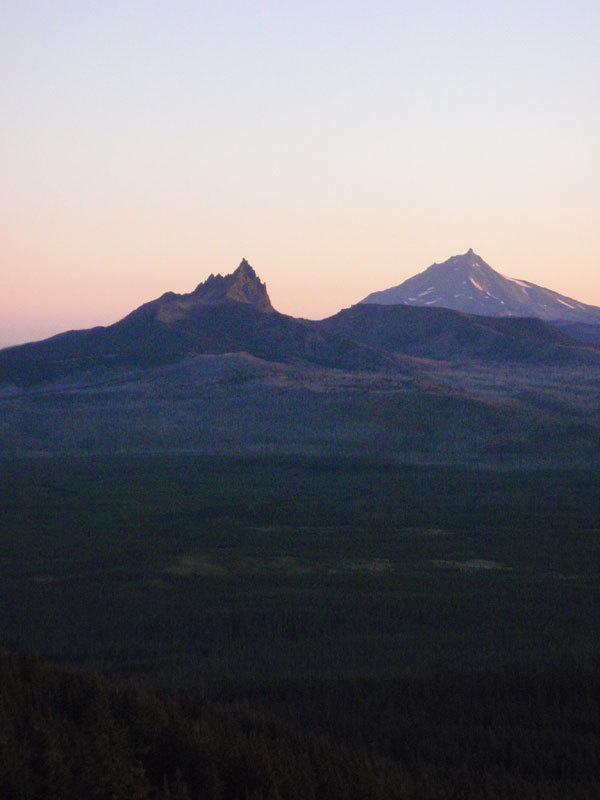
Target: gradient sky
(340, 147)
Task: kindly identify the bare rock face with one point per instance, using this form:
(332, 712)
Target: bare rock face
(466, 283)
(241, 286)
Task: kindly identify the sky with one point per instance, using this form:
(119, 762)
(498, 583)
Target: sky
(341, 147)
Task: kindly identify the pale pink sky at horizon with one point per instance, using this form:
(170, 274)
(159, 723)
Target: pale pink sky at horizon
(340, 147)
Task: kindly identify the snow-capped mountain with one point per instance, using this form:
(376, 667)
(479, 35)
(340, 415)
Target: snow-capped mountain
(467, 283)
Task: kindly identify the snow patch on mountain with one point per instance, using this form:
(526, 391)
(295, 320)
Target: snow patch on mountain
(519, 283)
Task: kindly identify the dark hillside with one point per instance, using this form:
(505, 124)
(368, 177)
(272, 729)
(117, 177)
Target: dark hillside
(440, 333)
(144, 340)
(581, 331)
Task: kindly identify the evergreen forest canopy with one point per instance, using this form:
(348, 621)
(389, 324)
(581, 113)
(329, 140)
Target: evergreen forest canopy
(297, 627)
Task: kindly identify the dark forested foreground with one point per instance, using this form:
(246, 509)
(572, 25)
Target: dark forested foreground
(69, 735)
(339, 628)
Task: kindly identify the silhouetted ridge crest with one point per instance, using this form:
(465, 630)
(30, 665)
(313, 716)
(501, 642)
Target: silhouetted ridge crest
(224, 314)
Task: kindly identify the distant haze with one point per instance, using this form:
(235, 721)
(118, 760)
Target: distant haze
(339, 147)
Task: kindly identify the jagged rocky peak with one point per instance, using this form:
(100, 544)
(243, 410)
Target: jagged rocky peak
(246, 287)
(245, 269)
(241, 286)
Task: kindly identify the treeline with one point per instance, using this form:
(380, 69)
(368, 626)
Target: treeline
(66, 734)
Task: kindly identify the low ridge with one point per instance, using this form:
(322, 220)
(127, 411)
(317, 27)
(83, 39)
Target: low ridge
(446, 334)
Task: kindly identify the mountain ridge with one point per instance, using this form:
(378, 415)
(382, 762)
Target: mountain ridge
(234, 314)
(224, 314)
(219, 370)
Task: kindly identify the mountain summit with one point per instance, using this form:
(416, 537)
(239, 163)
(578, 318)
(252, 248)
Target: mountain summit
(466, 283)
(241, 286)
